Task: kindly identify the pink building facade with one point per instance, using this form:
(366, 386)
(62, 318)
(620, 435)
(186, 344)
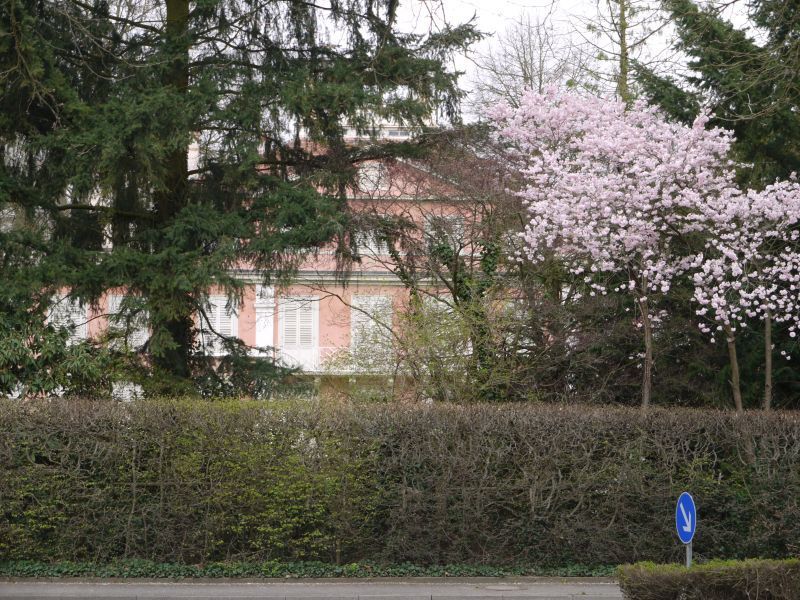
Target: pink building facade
(318, 320)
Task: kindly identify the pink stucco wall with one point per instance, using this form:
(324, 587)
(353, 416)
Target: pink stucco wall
(408, 192)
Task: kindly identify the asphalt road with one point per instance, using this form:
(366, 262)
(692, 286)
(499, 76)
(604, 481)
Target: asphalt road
(331, 589)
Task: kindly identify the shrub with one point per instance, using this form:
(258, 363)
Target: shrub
(277, 569)
(199, 482)
(177, 481)
(717, 580)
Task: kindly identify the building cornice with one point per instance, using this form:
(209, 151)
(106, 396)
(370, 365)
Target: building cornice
(327, 278)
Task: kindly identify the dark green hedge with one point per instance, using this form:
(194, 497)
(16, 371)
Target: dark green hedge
(717, 580)
(200, 482)
(277, 569)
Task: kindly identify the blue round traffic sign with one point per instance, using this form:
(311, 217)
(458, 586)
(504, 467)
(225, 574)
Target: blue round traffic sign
(685, 517)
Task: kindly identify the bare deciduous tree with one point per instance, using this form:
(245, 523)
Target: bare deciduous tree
(619, 33)
(531, 54)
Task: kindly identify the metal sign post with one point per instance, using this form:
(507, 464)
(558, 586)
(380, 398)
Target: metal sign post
(686, 523)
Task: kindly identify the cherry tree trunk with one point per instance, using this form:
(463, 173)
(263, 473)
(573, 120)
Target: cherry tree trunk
(735, 385)
(768, 361)
(647, 370)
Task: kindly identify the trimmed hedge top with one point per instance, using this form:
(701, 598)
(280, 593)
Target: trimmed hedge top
(715, 580)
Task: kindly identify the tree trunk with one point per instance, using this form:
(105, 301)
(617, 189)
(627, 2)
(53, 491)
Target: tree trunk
(768, 361)
(647, 371)
(170, 201)
(173, 197)
(623, 89)
(735, 387)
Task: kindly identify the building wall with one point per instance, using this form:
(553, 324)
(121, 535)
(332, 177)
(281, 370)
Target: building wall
(397, 189)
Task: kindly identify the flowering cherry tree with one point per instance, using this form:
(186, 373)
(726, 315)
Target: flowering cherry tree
(617, 194)
(622, 195)
(750, 270)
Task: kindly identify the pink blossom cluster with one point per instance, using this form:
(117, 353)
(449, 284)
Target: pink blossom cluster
(750, 266)
(628, 194)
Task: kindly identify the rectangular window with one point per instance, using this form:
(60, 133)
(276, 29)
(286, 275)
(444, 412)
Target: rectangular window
(299, 331)
(67, 313)
(135, 329)
(370, 320)
(220, 321)
(447, 229)
(439, 303)
(265, 319)
(368, 244)
(372, 177)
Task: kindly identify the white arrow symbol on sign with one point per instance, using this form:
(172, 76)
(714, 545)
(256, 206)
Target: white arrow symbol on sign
(688, 527)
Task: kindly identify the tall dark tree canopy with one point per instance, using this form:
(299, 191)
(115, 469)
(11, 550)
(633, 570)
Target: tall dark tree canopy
(100, 102)
(748, 78)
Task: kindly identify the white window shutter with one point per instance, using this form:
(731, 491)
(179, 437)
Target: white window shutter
(370, 318)
(370, 338)
(222, 321)
(305, 325)
(77, 316)
(208, 324)
(139, 336)
(67, 313)
(369, 244)
(289, 337)
(114, 304)
(299, 337)
(59, 315)
(138, 332)
(298, 327)
(219, 327)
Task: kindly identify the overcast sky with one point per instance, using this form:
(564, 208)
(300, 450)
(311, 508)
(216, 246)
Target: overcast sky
(491, 17)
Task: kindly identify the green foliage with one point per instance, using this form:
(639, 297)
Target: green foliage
(491, 486)
(266, 491)
(747, 78)
(283, 570)
(714, 580)
(680, 104)
(36, 359)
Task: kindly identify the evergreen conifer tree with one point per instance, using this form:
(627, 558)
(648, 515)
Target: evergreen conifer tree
(100, 103)
(750, 84)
